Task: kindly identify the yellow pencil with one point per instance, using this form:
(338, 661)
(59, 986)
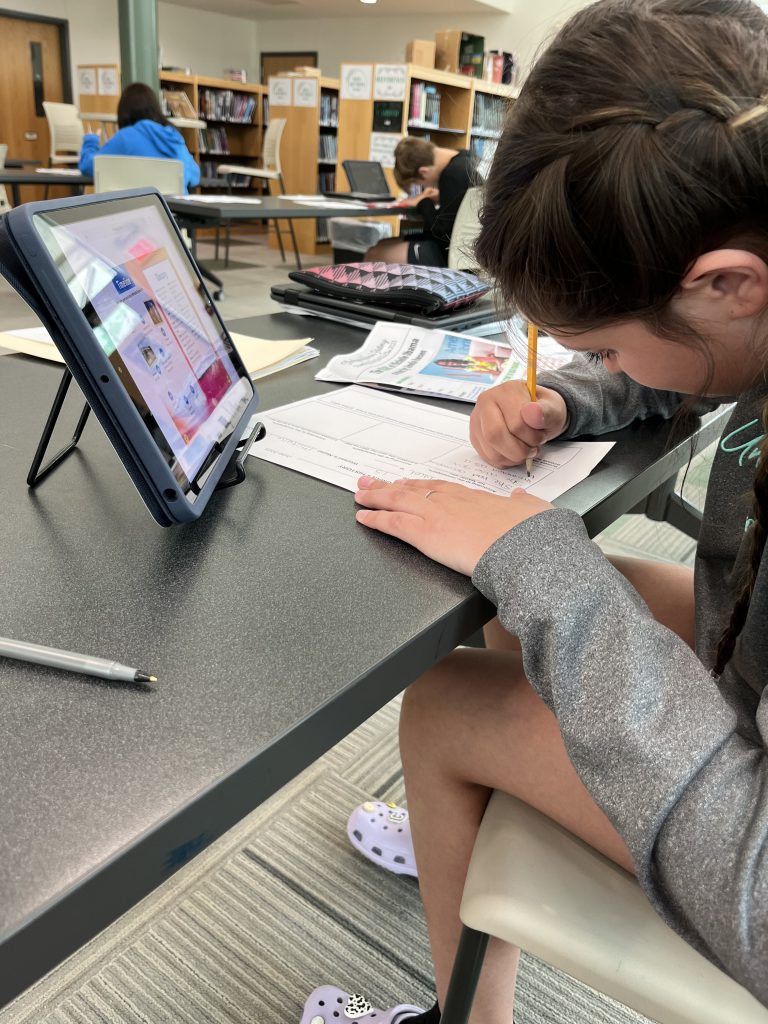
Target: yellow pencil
(530, 377)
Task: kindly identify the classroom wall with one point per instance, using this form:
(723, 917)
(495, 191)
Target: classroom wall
(374, 38)
(204, 41)
(207, 42)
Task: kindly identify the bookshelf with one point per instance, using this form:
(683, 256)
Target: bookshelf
(309, 154)
(454, 111)
(490, 105)
(232, 112)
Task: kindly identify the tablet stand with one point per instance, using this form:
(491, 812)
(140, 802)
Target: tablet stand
(234, 474)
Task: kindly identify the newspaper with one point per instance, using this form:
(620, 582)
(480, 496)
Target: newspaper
(417, 360)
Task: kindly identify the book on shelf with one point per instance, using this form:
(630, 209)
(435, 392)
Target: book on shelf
(424, 109)
(176, 103)
(327, 147)
(235, 75)
(329, 109)
(213, 140)
(226, 105)
(489, 113)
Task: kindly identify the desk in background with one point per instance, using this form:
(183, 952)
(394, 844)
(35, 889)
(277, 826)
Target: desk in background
(275, 624)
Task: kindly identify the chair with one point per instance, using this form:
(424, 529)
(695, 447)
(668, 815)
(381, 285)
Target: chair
(466, 228)
(271, 170)
(532, 883)
(112, 173)
(5, 203)
(66, 132)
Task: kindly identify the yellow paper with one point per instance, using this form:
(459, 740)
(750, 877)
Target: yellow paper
(258, 353)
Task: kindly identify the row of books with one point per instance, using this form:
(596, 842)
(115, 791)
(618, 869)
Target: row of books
(208, 170)
(483, 151)
(326, 182)
(489, 113)
(329, 109)
(327, 147)
(176, 103)
(213, 140)
(226, 105)
(425, 104)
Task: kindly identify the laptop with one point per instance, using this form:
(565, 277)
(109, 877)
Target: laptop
(367, 182)
(480, 318)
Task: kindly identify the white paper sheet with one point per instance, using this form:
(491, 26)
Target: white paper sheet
(343, 435)
(219, 199)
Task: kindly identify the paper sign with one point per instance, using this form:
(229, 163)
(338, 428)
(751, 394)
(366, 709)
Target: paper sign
(382, 148)
(305, 92)
(280, 92)
(108, 82)
(356, 81)
(86, 81)
(389, 82)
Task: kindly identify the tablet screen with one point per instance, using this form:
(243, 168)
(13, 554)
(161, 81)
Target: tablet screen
(134, 281)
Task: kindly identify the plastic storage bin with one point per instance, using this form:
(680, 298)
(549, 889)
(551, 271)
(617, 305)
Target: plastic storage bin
(352, 238)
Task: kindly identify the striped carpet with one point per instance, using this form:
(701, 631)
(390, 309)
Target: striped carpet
(282, 904)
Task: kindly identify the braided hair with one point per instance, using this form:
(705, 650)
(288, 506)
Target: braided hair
(639, 142)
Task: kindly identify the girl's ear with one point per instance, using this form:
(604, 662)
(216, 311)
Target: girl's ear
(728, 283)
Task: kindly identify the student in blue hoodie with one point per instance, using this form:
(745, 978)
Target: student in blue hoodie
(143, 131)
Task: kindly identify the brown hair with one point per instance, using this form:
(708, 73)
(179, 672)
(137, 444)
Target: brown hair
(639, 142)
(411, 154)
(139, 103)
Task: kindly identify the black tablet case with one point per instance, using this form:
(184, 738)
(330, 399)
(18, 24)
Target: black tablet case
(14, 271)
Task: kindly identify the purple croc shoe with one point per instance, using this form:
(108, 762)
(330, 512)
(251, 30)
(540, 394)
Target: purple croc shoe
(331, 1005)
(382, 833)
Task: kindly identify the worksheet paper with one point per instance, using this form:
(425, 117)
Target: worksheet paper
(343, 435)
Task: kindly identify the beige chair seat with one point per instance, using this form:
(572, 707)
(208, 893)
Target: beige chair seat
(533, 884)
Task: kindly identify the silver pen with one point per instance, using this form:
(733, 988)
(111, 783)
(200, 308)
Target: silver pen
(72, 662)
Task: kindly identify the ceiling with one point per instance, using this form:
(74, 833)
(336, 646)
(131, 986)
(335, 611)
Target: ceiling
(263, 10)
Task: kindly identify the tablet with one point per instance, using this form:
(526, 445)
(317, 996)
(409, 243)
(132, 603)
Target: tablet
(130, 313)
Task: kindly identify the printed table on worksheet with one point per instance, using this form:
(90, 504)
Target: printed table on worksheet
(345, 434)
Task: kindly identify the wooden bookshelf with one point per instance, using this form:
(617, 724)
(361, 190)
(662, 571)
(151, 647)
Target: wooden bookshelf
(308, 149)
(437, 105)
(232, 112)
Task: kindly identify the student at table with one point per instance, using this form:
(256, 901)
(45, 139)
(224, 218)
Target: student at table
(143, 130)
(443, 175)
(627, 214)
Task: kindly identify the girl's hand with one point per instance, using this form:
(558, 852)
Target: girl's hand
(506, 427)
(452, 524)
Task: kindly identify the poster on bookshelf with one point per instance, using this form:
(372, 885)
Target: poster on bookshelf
(389, 82)
(280, 91)
(305, 92)
(382, 148)
(356, 81)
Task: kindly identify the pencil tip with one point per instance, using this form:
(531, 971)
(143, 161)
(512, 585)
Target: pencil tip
(143, 677)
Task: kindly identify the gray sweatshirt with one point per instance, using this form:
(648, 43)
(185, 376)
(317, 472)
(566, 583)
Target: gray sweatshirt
(675, 759)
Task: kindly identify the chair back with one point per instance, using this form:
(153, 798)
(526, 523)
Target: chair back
(66, 132)
(270, 152)
(4, 202)
(111, 173)
(466, 228)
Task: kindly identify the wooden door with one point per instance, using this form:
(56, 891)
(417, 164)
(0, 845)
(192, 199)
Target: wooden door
(30, 49)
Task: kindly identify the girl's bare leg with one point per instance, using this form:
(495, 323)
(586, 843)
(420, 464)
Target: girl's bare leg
(473, 724)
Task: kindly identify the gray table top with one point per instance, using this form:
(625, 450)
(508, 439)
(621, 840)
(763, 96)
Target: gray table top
(42, 176)
(275, 207)
(275, 625)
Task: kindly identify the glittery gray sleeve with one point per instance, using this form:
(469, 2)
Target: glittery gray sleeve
(599, 401)
(649, 733)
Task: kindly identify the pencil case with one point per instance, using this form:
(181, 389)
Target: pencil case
(404, 285)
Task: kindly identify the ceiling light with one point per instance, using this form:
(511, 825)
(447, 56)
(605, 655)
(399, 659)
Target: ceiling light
(367, 1)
